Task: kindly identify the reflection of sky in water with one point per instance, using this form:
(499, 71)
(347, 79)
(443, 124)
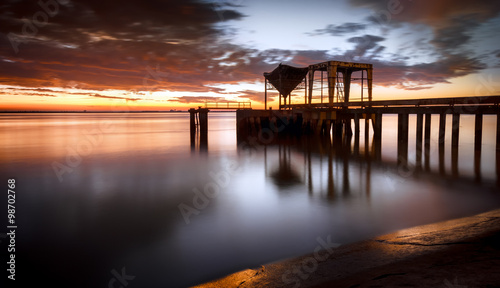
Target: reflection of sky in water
(118, 205)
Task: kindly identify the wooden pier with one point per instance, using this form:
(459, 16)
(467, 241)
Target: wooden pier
(328, 107)
(338, 120)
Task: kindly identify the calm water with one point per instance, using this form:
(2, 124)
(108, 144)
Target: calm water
(98, 193)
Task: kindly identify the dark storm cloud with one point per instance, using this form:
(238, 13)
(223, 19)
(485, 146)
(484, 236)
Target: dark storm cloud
(176, 45)
(431, 12)
(339, 30)
(451, 20)
(423, 76)
(455, 34)
(77, 21)
(364, 44)
(114, 44)
(395, 73)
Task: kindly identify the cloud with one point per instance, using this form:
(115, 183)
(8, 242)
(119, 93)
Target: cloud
(38, 94)
(430, 12)
(93, 20)
(27, 94)
(113, 97)
(455, 34)
(339, 30)
(31, 89)
(452, 21)
(364, 44)
(256, 96)
(195, 99)
(180, 46)
(109, 45)
(387, 73)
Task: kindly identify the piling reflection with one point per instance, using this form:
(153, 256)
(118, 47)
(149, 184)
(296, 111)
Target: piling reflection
(347, 163)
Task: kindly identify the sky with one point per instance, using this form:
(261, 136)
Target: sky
(76, 55)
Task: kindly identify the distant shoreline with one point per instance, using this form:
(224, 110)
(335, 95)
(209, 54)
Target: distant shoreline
(83, 112)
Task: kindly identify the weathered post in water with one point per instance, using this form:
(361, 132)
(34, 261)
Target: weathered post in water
(454, 144)
(478, 134)
(427, 140)
(203, 118)
(377, 135)
(403, 139)
(420, 124)
(192, 127)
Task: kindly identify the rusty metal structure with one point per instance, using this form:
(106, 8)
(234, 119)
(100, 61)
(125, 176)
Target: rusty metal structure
(334, 76)
(329, 109)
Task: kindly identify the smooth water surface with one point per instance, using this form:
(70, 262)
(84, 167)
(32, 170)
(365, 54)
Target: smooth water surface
(106, 193)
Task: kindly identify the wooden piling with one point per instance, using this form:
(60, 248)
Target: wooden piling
(377, 131)
(203, 118)
(442, 128)
(403, 139)
(367, 128)
(455, 130)
(498, 135)
(347, 127)
(356, 125)
(498, 167)
(192, 123)
(477, 165)
(377, 136)
(478, 134)
(420, 122)
(454, 161)
(427, 141)
(192, 128)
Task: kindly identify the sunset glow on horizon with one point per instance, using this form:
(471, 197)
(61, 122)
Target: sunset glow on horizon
(76, 55)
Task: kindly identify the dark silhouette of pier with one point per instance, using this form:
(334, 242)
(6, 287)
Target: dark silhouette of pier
(329, 108)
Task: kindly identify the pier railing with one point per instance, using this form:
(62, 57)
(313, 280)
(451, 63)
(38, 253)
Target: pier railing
(228, 105)
(483, 104)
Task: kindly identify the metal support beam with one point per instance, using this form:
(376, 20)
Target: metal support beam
(332, 77)
(311, 83)
(347, 84)
(265, 93)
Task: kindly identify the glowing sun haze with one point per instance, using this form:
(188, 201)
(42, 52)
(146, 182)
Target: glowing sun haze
(161, 55)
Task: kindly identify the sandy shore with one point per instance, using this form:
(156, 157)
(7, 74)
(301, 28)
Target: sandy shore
(462, 252)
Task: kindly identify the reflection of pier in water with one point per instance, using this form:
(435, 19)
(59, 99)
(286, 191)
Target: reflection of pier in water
(325, 105)
(338, 160)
